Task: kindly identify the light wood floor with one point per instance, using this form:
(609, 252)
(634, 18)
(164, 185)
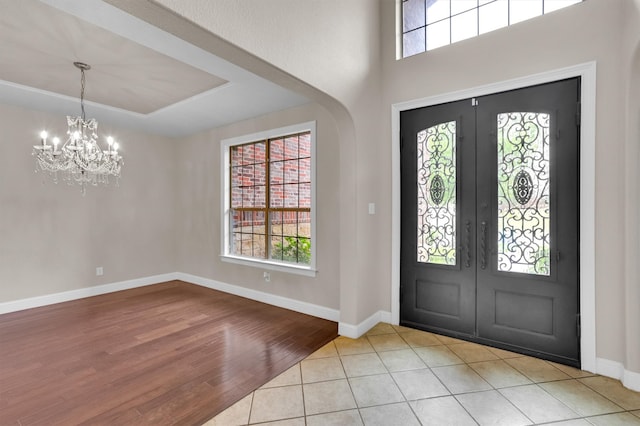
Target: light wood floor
(171, 353)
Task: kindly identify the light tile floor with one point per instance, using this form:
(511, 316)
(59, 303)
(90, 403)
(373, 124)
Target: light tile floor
(400, 376)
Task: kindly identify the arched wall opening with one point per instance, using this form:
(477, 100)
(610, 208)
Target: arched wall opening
(167, 20)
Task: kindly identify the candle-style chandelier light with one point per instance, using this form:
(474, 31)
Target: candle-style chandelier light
(80, 159)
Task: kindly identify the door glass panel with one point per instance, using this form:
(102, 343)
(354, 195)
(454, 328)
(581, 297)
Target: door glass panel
(437, 194)
(523, 193)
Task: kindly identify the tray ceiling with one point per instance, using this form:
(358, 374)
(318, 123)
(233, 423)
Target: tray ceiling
(141, 77)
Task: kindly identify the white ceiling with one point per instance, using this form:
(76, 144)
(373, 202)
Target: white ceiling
(141, 77)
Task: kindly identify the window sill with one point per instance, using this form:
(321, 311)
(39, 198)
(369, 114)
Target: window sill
(272, 266)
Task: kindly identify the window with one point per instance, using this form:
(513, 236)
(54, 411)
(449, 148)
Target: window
(268, 198)
(429, 24)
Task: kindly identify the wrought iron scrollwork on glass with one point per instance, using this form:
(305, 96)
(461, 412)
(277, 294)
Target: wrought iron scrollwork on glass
(436, 189)
(523, 193)
(523, 187)
(437, 194)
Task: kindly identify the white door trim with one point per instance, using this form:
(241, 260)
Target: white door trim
(587, 72)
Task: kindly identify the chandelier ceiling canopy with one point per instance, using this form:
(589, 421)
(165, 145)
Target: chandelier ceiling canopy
(80, 159)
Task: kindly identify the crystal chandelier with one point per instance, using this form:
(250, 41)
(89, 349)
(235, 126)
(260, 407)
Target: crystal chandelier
(79, 160)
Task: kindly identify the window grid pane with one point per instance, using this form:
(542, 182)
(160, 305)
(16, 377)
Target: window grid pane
(464, 25)
(522, 10)
(428, 24)
(412, 15)
(552, 5)
(439, 34)
(248, 231)
(291, 236)
(413, 42)
(437, 10)
(460, 6)
(493, 16)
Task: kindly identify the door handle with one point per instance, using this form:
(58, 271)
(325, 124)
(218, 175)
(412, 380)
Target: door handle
(483, 245)
(467, 243)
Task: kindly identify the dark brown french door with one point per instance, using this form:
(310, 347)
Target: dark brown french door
(489, 234)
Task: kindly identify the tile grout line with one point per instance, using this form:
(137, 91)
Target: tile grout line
(394, 379)
(250, 406)
(601, 394)
(349, 384)
(434, 375)
(304, 405)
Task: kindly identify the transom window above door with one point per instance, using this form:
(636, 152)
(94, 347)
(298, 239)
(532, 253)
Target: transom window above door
(429, 24)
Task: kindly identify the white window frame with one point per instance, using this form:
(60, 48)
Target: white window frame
(225, 179)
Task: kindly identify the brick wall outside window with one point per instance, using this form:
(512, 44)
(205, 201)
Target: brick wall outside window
(271, 198)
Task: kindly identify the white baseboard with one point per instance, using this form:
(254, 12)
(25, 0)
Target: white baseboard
(355, 331)
(283, 302)
(271, 299)
(616, 370)
(631, 380)
(65, 296)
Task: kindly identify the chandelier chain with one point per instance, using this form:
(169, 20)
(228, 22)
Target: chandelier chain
(82, 85)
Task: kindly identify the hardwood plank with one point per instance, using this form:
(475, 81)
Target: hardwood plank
(171, 353)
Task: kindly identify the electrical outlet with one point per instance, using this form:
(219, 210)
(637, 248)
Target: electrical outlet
(99, 271)
(267, 276)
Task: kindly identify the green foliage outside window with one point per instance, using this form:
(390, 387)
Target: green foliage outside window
(296, 250)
